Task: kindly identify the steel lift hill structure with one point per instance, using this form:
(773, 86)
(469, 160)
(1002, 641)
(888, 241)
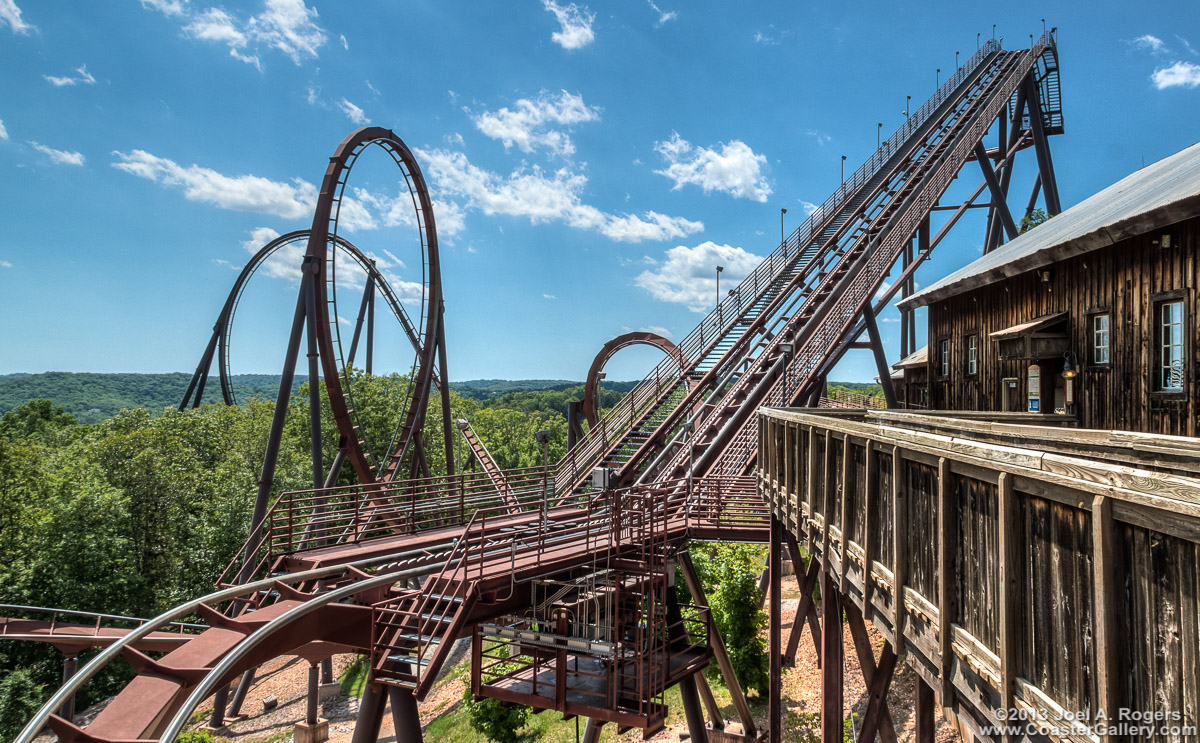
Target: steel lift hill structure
(562, 576)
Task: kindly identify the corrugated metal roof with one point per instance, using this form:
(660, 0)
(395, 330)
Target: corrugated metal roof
(1160, 194)
(920, 357)
(1025, 327)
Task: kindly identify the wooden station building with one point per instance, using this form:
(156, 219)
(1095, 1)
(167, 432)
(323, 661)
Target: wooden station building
(1026, 538)
(1105, 292)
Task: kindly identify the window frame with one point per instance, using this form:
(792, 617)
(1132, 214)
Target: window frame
(1158, 346)
(943, 363)
(972, 354)
(1093, 317)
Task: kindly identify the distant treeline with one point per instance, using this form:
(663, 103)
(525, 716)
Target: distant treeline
(92, 398)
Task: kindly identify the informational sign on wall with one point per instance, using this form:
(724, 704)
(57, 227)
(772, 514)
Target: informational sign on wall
(1035, 388)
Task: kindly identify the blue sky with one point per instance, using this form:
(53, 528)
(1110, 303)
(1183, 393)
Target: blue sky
(591, 162)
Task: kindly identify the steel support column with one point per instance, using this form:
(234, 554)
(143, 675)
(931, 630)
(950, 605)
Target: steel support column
(314, 390)
(592, 731)
(999, 195)
(370, 715)
(314, 692)
(405, 717)
(70, 665)
(881, 364)
(239, 693)
(1042, 147)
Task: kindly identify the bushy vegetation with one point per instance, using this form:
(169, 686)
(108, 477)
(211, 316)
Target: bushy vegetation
(729, 574)
(140, 512)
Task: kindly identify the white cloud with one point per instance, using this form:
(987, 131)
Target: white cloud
(3, 132)
(1178, 75)
(735, 169)
(5, 264)
(59, 157)
(314, 94)
(82, 77)
(576, 25)
(549, 296)
(821, 137)
(244, 193)
(544, 197)
(345, 44)
(660, 330)
(285, 262)
(688, 276)
(167, 7)
(11, 14)
(288, 26)
(663, 16)
(372, 88)
(808, 207)
(527, 124)
(353, 112)
(1149, 43)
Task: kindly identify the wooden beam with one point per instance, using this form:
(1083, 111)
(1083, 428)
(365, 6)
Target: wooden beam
(844, 509)
(945, 576)
(832, 663)
(870, 522)
(1010, 627)
(924, 713)
(775, 645)
(807, 609)
(1105, 586)
(878, 678)
(718, 647)
(899, 543)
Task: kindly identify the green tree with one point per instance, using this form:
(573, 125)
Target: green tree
(729, 574)
(494, 719)
(1031, 220)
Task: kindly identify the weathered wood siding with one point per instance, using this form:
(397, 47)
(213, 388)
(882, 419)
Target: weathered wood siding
(1008, 576)
(1123, 280)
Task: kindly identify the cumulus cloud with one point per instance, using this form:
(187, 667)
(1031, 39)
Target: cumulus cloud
(734, 168)
(527, 124)
(59, 157)
(575, 22)
(1178, 75)
(5, 264)
(243, 193)
(808, 207)
(3, 132)
(658, 329)
(688, 276)
(81, 77)
(288, 26)
(11, 14)
(544, 197)
(353, 112)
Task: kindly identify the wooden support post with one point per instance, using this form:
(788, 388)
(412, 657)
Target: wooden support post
(1010, 628)
(775, 646)
(924, 713)
(810, 486)
(718, 647)
(827, 515)
(899, 543)
(807, 610)
(870, 522)
(1104, 571)
(844, 509)
(832, 662)
(878, 678)
(947, 514)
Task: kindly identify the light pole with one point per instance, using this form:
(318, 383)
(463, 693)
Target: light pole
(956, 60)
(543, 438)
(993, 32)
(878, 134)
(782, 237)
(907, 101)
(843, 170)
(939, 77)
(977, 35)
(1043, 27)
(719, 270)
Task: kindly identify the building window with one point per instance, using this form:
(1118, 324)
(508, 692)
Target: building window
(1170, 346)
(972, 355)
(1101, 348)
(944, 357)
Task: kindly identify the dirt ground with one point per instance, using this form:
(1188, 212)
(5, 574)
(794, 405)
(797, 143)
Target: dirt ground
(287, 678)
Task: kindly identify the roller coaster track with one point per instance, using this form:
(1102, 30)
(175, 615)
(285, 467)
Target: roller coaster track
(334, 568)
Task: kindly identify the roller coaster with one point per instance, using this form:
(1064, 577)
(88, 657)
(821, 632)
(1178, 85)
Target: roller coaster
(560, 576)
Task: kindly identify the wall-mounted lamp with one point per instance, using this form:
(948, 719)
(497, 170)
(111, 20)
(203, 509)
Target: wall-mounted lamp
(1070, 365)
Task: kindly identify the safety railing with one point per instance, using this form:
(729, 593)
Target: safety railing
(16, 619)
